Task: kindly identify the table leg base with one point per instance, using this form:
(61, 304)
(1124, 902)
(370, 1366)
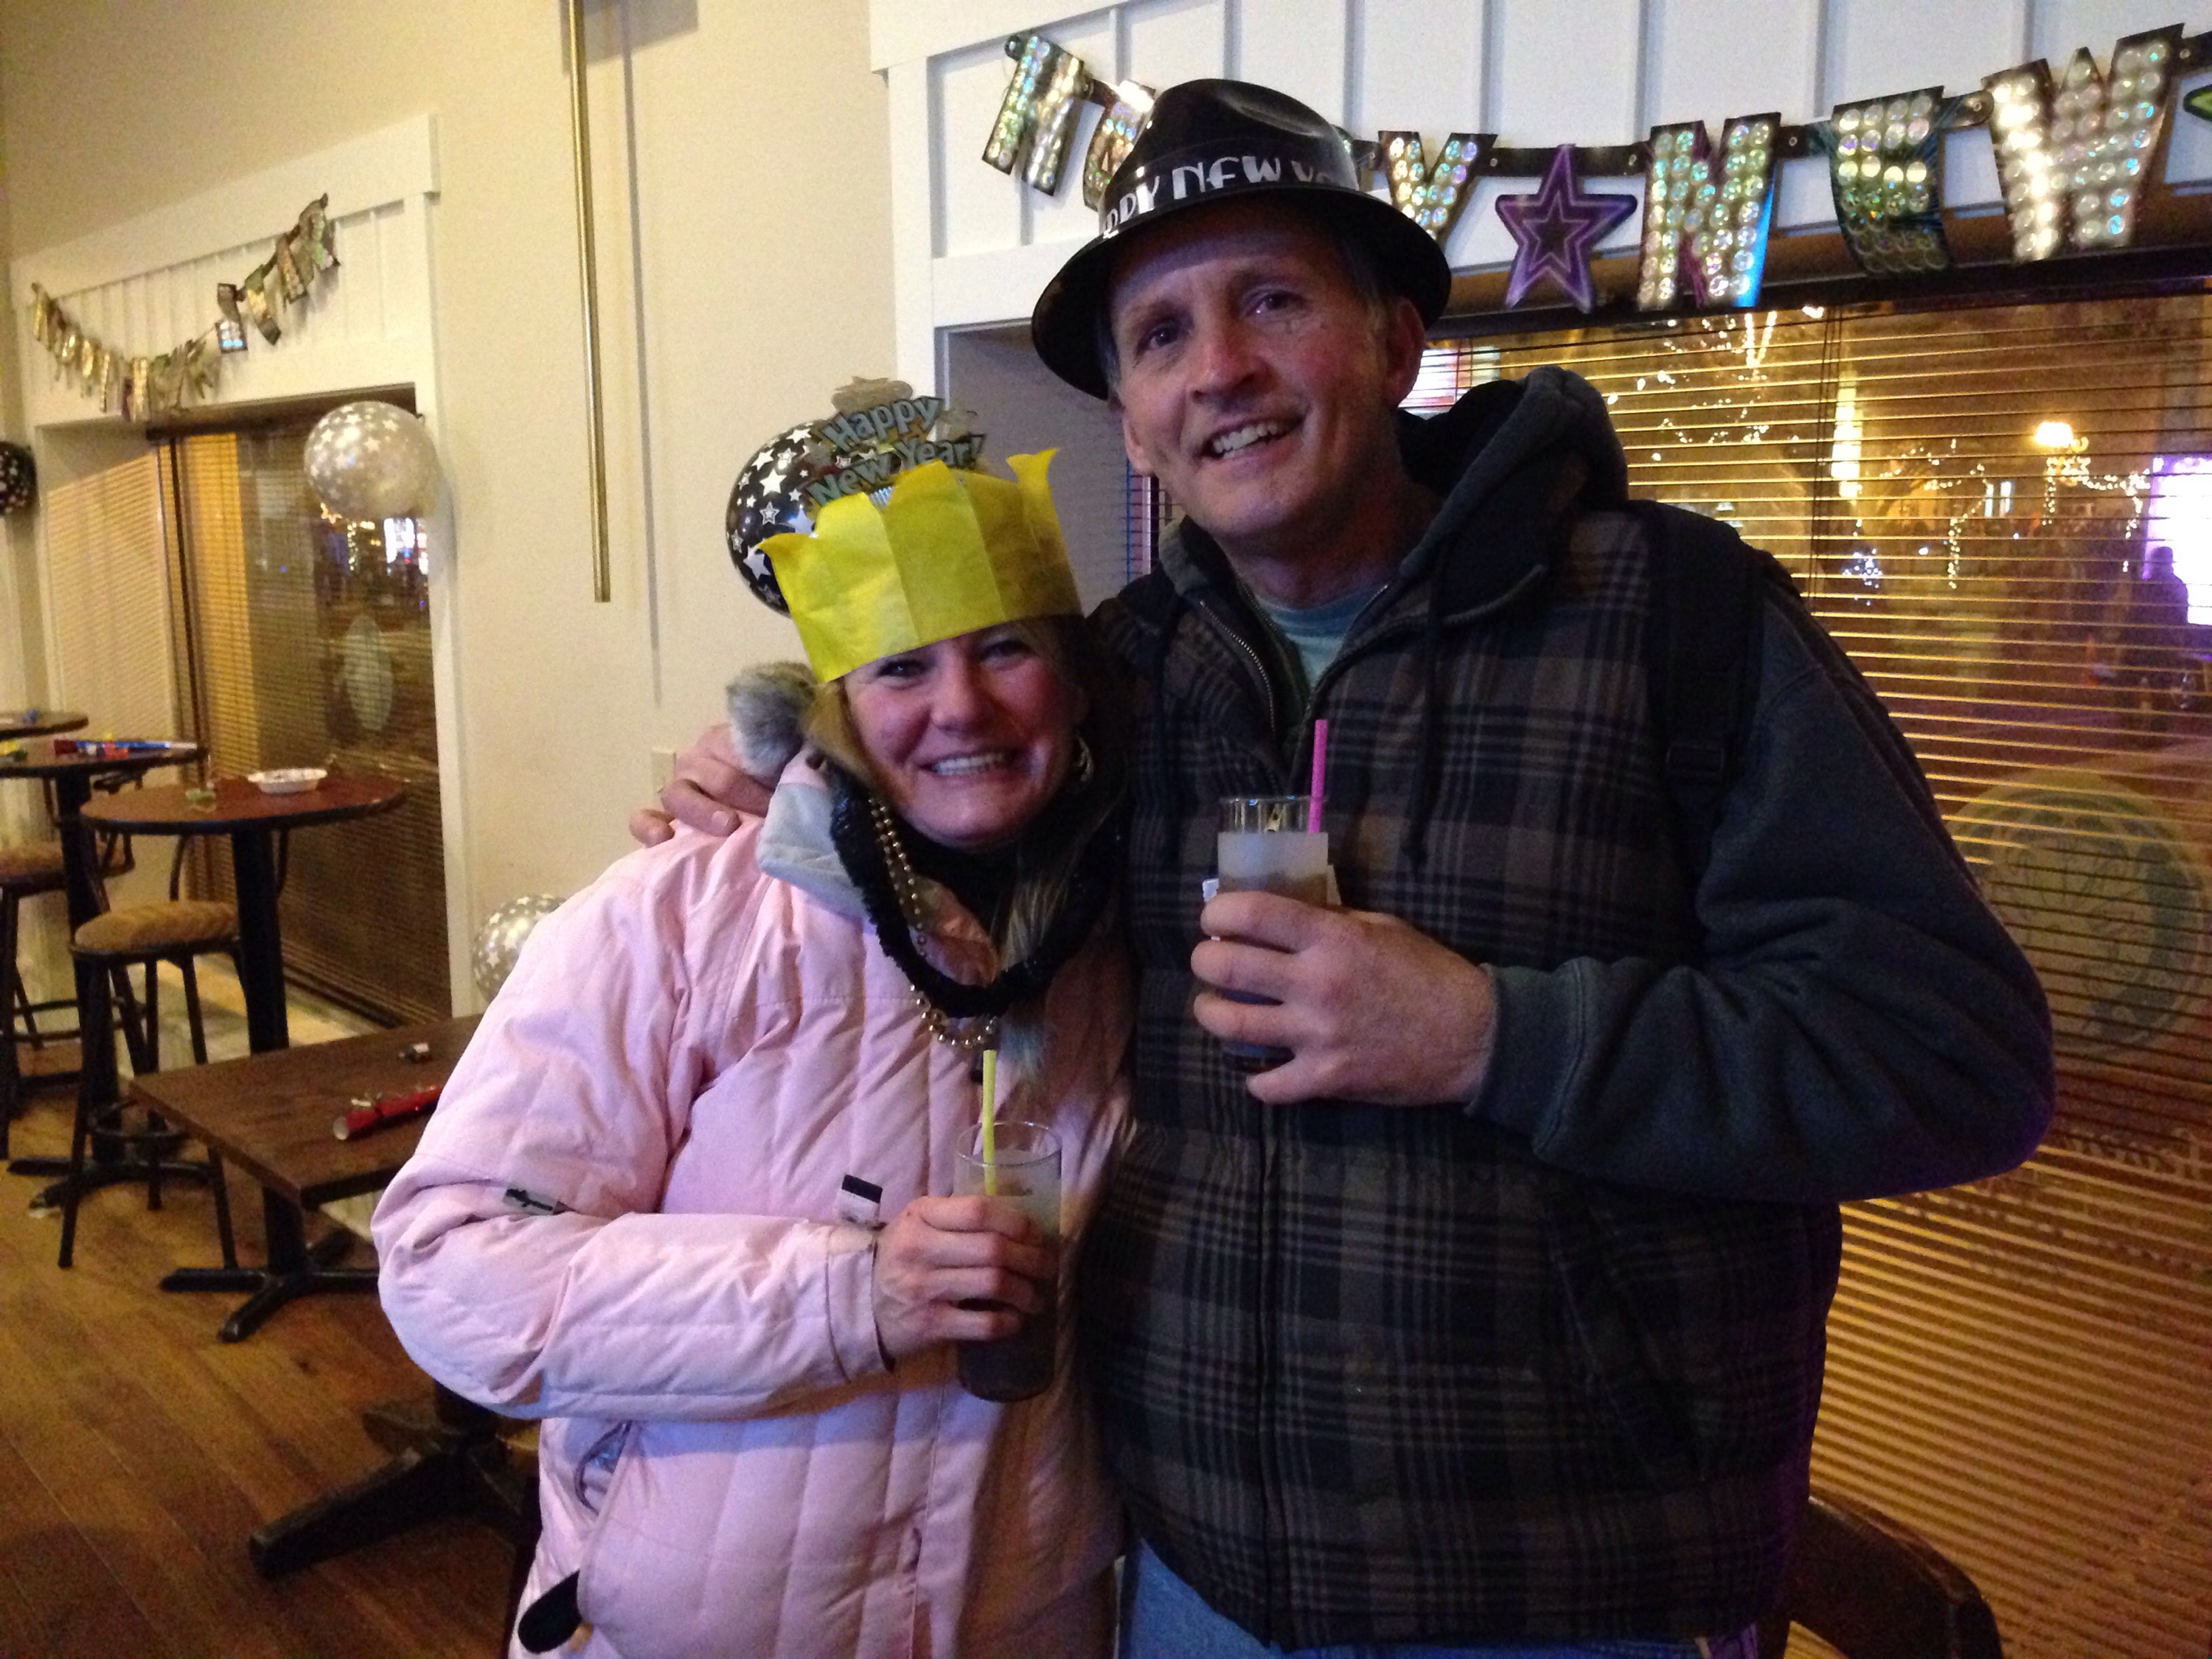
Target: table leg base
(93, 1177)
(449, 1462)
(271, 1287)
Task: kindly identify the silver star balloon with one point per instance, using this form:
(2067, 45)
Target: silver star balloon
(500, 940)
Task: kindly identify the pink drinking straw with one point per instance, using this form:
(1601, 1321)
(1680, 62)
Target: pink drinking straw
(1320, 773)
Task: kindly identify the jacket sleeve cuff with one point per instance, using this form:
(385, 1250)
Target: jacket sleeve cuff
(1535, 1047)
(849, 1277)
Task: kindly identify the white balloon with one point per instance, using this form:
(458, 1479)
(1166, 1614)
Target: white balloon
(372, 460)
(499, 941)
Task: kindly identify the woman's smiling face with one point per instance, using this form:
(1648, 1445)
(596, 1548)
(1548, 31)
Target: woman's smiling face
(970, 737)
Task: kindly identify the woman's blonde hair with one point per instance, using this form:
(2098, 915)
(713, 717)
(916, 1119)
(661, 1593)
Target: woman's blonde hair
(1042, 873)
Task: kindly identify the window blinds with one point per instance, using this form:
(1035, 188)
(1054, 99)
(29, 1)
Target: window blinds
(306, 642)
(2004, 514)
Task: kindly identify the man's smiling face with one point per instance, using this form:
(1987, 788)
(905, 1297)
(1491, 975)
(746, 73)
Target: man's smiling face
(1257, 383)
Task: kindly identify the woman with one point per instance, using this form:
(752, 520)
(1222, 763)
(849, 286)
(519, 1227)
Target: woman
(646, 1209)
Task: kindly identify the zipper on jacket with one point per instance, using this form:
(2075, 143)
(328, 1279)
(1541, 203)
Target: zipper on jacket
(1266, 681)
(1267, 1324)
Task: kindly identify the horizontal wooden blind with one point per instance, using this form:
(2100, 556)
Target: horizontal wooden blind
(1979, 502)
(306, 642)
(101, 541)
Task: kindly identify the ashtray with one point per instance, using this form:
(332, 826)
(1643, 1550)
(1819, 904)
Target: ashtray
(287, 779)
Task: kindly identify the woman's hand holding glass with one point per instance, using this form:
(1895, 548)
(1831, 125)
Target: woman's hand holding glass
(942, 1254)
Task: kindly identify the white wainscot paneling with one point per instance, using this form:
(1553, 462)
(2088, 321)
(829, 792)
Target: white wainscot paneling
(149, 284)
(1706, 61)
(1297, 46)
(1172, 40)
(1880, 46)
(1416, 64)
(360, 324)
(1564, 74)
(979, 209)
(1803, 199)
(2060, 27)
(1480, 240)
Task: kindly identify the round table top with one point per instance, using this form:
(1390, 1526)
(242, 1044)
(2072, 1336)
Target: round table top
(54, 758)
(39, 722)
(239, 804)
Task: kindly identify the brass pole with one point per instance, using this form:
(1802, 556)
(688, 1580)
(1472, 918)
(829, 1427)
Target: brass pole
(580, 123)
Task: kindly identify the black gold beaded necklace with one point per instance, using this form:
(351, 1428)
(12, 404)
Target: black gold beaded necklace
(961, 1015)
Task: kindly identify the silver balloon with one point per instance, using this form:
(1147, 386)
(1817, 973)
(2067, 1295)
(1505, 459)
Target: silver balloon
(372, 460)
(499, 941)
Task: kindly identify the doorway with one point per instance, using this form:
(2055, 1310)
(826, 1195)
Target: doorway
(298, 638)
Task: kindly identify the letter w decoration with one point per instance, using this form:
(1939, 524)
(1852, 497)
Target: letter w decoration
(2073, 160)
(1706, 218)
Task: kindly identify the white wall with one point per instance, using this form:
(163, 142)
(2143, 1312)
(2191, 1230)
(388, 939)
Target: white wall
(744, 271)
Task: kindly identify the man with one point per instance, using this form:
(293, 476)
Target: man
(1495, 1313)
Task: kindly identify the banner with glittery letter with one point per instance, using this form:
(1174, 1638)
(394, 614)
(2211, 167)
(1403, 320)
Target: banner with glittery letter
(1706, 218)
(1432, 194)
(2075, 158)
(1036, 118)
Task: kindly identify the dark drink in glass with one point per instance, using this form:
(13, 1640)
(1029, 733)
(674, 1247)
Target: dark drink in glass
(1023, 1171)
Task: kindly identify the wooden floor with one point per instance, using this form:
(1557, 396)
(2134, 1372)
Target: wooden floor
(137, 1452)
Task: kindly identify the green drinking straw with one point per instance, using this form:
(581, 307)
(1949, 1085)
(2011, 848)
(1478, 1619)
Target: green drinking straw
(990, 1123)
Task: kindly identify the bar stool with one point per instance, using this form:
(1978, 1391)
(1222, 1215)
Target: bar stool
(27, 871)
(175, 930)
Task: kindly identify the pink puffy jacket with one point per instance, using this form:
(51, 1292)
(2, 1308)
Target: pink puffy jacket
(689, 1059)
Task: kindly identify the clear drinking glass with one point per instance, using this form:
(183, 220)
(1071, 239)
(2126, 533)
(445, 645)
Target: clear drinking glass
(1264, 843)
(1264, 846)
(1025, 1173)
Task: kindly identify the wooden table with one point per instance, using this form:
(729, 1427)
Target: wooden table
(270, 1115)
(39, 722)
(72, 770)
(252, 819)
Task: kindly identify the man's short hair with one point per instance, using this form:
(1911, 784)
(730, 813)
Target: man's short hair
(1353, 253)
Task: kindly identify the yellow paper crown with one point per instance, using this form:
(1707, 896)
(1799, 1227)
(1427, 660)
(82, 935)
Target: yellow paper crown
(952, 552)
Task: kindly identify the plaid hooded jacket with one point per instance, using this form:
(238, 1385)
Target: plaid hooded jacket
(1546, 1364)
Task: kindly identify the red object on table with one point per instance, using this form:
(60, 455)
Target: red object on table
(369, 1115)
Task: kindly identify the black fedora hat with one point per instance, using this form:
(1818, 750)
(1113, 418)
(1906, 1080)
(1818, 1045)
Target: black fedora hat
(1210, 141)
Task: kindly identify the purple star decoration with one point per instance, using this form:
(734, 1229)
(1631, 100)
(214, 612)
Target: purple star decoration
(1557, 228)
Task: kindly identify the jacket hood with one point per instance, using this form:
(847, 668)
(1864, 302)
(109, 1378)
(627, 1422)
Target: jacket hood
(1552, 425)
(795, 843)
(767, 706)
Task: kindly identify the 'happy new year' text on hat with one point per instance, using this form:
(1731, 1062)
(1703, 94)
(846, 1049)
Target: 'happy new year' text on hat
(1210, 141)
